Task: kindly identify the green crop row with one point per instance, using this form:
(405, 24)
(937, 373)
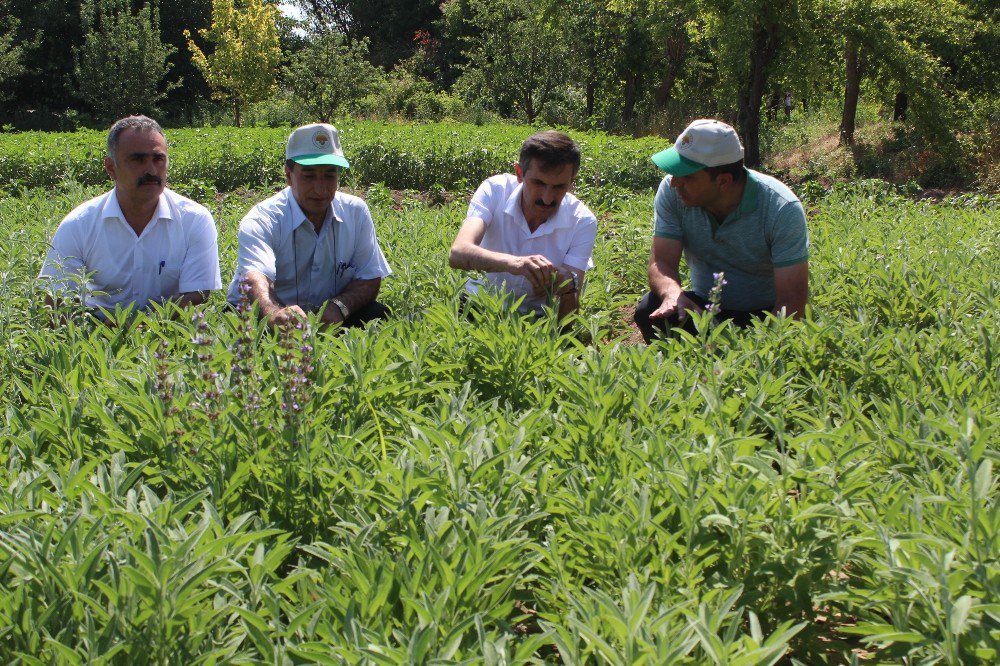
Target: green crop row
(421, 157)
(813, 492)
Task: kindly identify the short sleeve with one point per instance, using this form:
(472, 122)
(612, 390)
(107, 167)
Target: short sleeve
(667, 212)
(581, 248)
(256, 245)
(482, 203)
(200, 270)
(368, 256)
(64, 268)
(789, 237)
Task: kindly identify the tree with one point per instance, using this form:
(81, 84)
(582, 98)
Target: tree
(329, 75)
(241, 69)
(889, 41)
(122, 62)
(11, 53)
(52, 27)
(388, 25)
(518, 58)
(175, 18)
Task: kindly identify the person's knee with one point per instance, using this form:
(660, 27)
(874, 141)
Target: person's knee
(646, 305)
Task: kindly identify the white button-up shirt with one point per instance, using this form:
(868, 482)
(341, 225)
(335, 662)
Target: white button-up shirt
(308, 269)
(566, 239)
(96, 255)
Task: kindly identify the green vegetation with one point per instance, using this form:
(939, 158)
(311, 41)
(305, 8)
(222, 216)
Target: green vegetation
(823, 490)
(636, 67)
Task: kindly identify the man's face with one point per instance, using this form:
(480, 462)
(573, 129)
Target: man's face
(313, 188)
(543, 189)
(697, 189)
(140, 166)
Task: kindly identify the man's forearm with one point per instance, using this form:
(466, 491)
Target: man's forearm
(355, 296)
(262, 292)
(474, 258)
(663, 281)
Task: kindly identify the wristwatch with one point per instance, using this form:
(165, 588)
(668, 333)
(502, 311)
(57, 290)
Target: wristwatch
(576, 281)
(340, 306)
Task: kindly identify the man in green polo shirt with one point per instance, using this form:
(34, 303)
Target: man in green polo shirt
(734, 226)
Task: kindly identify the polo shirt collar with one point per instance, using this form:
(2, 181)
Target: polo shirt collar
(751, 194)
(562, 218)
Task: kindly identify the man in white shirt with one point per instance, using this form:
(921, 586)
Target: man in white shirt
(140, 243)
(527, 232)
(310, 248)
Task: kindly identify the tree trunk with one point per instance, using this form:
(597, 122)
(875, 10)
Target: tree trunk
(899, 108)
(632, 84)
(237, 116)
(665, 89)
(591, 89)
(750, 98)
(852, 90)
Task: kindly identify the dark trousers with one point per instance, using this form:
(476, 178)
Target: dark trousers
(366, 314)
(651, 328)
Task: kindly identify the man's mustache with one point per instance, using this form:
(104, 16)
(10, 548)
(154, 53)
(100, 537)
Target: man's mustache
(149, 178)
(539, 202)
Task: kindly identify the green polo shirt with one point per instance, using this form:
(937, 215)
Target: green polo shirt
(766, 231)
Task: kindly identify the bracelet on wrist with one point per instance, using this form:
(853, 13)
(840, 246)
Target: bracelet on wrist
(342, 307)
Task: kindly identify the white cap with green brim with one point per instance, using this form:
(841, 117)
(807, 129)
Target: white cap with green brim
(704, 143)
(318, 144)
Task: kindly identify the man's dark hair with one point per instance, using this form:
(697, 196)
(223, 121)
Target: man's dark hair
(552, 149)
(137, 123)
(736, 170)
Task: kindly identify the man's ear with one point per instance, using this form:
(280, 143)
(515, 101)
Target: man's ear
(109, 166)
(288, 175)
(518, 172)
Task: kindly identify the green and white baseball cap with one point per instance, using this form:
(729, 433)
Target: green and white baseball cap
(316, 144)
(704, 143)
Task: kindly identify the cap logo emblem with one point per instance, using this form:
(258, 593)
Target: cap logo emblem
(320, 139)
(686, 139)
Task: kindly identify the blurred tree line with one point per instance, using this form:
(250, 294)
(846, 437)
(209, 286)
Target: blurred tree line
(619, 65)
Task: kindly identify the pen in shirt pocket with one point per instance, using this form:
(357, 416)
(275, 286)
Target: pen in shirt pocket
(162, 264)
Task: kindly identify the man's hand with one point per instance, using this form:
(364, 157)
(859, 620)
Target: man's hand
(675, 303)
(539, 271)
(285, 316)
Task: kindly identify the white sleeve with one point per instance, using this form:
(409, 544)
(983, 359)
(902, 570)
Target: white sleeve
(482, 203)
(200, 270)
(368, 255)
(581, 248)
(64, 268)
(256, 245)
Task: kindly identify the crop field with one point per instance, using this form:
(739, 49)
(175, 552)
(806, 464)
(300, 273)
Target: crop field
(814, 492)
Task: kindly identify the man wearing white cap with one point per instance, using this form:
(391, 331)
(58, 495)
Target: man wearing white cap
(310, 248)
(737, 228)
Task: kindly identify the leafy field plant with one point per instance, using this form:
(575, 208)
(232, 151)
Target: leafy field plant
(505, 491)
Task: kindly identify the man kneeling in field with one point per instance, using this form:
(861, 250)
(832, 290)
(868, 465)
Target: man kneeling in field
(310, 247)
(530, 235)
(726, 220)
(140, 243)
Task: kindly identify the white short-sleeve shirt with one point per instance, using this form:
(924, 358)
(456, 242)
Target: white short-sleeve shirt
(308, 269)
(97, 255)
(566, 239)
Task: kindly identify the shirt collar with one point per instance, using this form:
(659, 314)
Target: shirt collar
(299, 217)
(113, 209)
(748, 202)
(561, 219)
